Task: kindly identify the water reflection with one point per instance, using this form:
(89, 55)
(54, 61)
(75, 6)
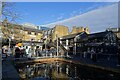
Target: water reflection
(60, 70)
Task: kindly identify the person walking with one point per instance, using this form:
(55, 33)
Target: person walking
(17, 52)
(93, 55)
(4, 51)
(37, 51)
(22, 49)
(27, 51)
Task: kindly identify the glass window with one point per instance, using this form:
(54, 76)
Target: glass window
(36, 33)
(29, 32)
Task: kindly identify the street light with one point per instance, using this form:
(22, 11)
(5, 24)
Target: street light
(57, 42)
(75, 39)
(0, 53)
(9, 36)
(45, 42)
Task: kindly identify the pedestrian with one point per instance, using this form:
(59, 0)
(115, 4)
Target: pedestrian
(4, 51)
(84, 54)
(17, 52)
(93, 55)
(27, 51)
(37, 51)
(14, 51)
(22, 51)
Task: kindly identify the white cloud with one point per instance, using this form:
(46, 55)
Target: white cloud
(73, 13)
(60, 17)
(29, 25)
(60, 0)
(96, 20)
(80, 11)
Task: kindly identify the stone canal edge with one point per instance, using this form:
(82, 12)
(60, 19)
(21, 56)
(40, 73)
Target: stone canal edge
(47, 60)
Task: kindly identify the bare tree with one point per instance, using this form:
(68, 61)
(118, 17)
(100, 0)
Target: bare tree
(10, 17)
(8, 10)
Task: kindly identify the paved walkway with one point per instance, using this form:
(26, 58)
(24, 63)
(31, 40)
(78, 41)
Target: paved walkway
(8, 70)
(0, 67)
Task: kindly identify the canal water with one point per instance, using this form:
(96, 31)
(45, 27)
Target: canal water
(62, 71)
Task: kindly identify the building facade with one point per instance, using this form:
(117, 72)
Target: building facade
(102, 42)
(69, 42)
(115, 30)
(32, 35)
(59, 31)
(79, 29)
(20, 33)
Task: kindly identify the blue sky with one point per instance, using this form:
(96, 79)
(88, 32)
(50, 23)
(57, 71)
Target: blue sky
(40, 13)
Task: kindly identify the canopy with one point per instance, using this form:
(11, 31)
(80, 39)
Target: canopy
(19, 44)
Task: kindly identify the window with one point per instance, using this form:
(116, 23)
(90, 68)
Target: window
(36, 33)
(21, 31)
(29, 32)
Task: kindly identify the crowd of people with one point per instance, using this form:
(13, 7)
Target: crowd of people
(21, 51)
(28, 51)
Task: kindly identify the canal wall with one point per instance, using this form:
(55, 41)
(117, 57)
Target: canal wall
(8, 70)
(49, 60)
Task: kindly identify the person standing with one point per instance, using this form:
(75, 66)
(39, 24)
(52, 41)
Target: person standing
(27, 51)
(37, 51)
(4, 51)
(93, 55)
(22, 51)
(17, 52)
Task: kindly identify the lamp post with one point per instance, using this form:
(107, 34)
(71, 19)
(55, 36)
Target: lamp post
(67, 47)
(57, 43)
(45, 42)
(6, 24)
(75, 48)
(9, 41)
(45, 48)
(32, 47)
(0, 54)
(75, 39)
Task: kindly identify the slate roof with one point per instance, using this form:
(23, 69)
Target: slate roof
(71, 36)
(24, 28)
(98, 35)
(32, 30)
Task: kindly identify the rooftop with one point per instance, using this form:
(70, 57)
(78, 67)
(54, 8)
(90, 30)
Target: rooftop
(71, 35)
